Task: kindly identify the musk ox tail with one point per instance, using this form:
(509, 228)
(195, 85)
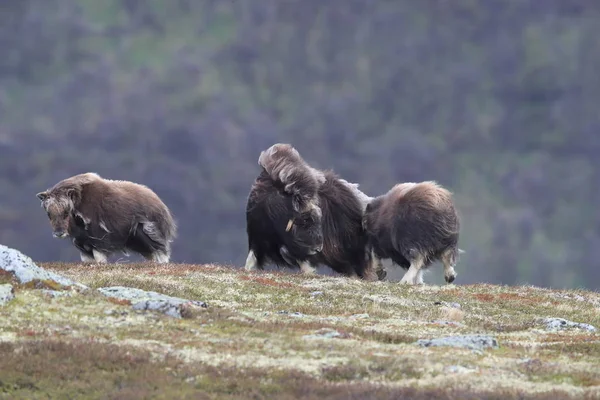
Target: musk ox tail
(283, 163)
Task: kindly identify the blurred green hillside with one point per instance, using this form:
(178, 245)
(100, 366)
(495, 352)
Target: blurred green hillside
(497, 100)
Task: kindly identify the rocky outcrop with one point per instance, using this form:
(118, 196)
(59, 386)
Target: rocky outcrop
(25, 271)
(557, 324)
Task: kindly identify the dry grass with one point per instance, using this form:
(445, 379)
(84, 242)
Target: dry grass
(260, 336)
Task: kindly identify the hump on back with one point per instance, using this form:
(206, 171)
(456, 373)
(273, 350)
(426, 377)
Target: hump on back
(298, 216)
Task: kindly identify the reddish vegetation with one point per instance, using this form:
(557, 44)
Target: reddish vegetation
(266, 281)
(484, 297)
(121, 302)
(516, 297)
(54, 369)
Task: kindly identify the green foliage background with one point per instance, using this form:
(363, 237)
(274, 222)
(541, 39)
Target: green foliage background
(496, 99)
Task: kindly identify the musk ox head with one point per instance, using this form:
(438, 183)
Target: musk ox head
(304, 231)
(59, 205)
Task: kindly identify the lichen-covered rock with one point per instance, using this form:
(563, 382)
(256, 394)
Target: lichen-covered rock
(25, 270)
(7, 293)
(153, 301)
(473, 342)
(556, 324)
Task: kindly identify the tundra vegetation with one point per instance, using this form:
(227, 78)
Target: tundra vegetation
(495, 100)
(272, 334)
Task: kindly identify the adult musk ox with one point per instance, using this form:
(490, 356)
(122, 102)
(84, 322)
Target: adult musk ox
(298, 216)
(414, 224)
(105, 216)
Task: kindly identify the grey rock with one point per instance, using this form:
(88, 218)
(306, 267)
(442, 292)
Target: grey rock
(325, 333)
(295, 314)
(473, 342)
(316, 293)
(556, 324)
(152, 301)
(7, 293)
(25, 270)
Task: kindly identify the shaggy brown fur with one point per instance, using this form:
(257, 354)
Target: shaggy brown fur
(338, 223)
(284, 164)
(105, 216)
(414, 224)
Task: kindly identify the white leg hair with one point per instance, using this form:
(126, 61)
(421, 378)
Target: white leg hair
(412, 274)
(160, 257)
(100, 257)
(86, 257)
(307, 269)
(449, 272)
(419, 278)
(251, 262)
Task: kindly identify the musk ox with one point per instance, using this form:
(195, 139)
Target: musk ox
(298, 216)
(413, 224)
(105, 216)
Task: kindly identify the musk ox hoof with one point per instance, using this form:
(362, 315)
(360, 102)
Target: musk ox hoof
(382, 274)
(450, 277)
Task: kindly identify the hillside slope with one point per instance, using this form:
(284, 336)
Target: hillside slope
(300, 337)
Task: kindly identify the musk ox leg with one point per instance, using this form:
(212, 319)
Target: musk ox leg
(379, 269)
(148, 241)
(419, 278)
(413, 271)
(449, 260)
(251, 262)
(86, 257)
(100, 257)
(374, 270)
(306, 268)
(159, 257)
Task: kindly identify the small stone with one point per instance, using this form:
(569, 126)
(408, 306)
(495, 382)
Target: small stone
(459, 369)
(446, 304)
(316, 293)
(556, 324)
(473, 342)
(325, 333)
(359, 316)
(291, 314)
(7, 293)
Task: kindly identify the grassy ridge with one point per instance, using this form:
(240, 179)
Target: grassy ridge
(297, 336)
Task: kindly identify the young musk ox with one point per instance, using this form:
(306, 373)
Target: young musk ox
(414, 224)
(105, 216)
(298, 216)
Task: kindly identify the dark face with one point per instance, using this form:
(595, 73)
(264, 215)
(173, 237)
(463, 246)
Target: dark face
(58, 210)
(306, 230)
